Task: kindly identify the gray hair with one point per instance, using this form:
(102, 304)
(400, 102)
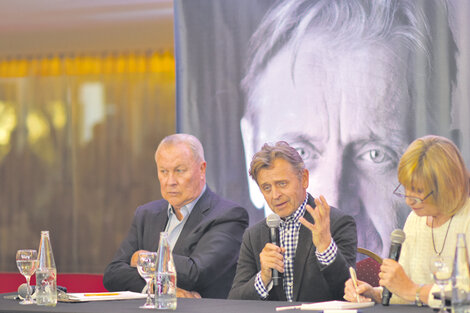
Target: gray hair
(193, 143)
(351, 23)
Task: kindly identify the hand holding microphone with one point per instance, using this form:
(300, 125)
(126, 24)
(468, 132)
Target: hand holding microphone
(397, 238)
(271, 258)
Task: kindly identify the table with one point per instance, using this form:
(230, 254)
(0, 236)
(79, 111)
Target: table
(185, 306)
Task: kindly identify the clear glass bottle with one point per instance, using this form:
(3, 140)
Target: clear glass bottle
(46, 273)
(461, 278)
(165, 276)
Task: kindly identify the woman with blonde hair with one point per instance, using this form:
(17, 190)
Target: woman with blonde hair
(434, 182)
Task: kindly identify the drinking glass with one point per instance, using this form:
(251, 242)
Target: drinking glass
(441, 269)
(146, 265)
(27, 261)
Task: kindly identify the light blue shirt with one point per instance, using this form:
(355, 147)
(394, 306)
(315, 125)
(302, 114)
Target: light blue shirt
(174, 226)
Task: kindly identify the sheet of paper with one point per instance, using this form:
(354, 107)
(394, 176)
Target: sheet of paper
(328, 305)
(336, 305)
(104, 296)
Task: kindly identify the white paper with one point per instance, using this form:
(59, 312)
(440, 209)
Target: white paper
(328, 305)
(336, 305)
(105, 296)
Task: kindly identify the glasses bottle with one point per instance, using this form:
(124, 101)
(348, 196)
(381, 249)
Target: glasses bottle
(165, 276)
(46, 273)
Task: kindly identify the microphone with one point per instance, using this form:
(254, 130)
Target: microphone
(397, 237)
(23, 289)
(273, 221)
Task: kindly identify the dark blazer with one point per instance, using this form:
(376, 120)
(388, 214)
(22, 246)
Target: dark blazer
(313, 282)
(205, 254)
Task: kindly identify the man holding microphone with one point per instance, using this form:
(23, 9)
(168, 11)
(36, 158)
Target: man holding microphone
(316, 249)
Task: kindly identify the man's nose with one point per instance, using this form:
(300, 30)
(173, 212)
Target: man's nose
(171, 179)
(276, 193)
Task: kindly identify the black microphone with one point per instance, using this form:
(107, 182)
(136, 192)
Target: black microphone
(273, 221)
(23, 289)
(397, 237)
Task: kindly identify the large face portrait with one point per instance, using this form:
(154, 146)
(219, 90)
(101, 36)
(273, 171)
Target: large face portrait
(345, 111)
(348, 83)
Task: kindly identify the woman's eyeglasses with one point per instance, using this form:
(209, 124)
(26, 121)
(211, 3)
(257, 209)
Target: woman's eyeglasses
(401, 194)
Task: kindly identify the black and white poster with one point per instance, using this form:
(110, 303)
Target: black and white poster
(348, 83)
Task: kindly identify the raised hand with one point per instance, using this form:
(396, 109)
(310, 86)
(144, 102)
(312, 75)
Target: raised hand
(321, 235)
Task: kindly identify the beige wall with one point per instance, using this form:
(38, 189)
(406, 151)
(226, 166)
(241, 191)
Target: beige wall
(56, 26)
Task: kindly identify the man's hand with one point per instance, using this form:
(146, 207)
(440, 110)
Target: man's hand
(135, 257)
(321, 235)
(271, 257)
(181, 293)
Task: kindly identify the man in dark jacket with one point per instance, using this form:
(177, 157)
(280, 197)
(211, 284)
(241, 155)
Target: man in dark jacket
(205, 230)
(316, 249)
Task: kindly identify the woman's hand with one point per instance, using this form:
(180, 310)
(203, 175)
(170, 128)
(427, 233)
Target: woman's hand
(364, 292)
(393, 277)
(182, 293)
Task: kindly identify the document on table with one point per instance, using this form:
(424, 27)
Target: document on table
(327, 305)
(102, 296)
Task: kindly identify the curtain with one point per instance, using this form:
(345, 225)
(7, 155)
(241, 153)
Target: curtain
(77, 139)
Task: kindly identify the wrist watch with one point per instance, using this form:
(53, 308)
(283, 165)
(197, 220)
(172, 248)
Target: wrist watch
(418, 302)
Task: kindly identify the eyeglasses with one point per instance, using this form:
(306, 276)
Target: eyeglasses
(401, 194)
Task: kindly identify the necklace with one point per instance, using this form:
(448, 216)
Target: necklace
(432, 234)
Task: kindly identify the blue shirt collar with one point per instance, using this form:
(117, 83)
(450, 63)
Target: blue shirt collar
(187, 208)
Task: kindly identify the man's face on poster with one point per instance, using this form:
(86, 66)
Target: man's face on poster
(345, 110)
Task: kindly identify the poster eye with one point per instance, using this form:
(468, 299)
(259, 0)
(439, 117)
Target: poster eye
(376, 154)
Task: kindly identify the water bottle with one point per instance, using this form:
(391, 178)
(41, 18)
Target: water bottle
(46, 273)
(165, 276)
(461, 278)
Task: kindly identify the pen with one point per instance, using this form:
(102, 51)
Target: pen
(101, 294)
(352, 272)
(284, 308)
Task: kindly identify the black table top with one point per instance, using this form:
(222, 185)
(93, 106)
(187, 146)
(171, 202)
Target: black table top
(184, 306)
